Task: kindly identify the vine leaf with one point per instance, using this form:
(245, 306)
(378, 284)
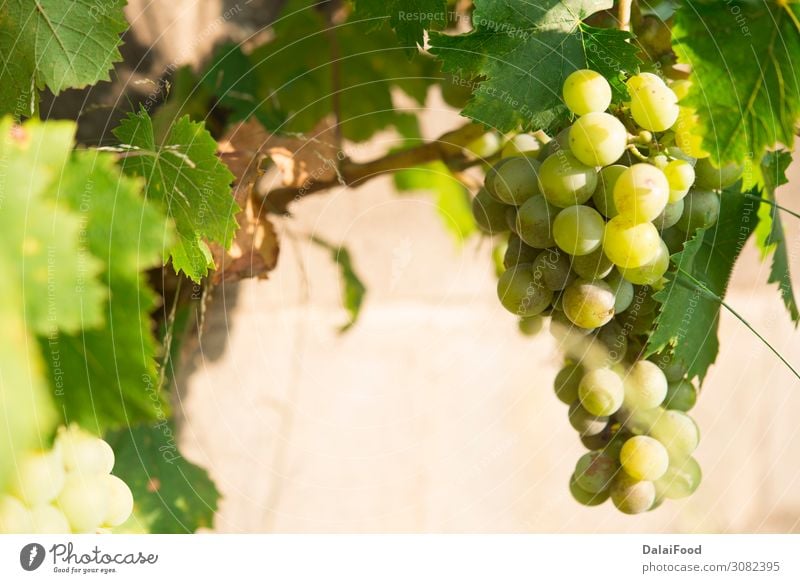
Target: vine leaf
(524, 51)
(171, 495)
(409, 18)
(183, 172)
(55, 44)
(689, 319)
(353, 289)
(770, 236)
(745, 87)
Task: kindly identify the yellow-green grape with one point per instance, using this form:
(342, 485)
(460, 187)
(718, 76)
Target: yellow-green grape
(565, 331)
(623, 291)
(586, 91)
(586, 498)
(48, 519)
(654, 106)
(640, 80)
(649, 273)
(15, 517)
(700, 211)
(615, 341)
(534, 222)
(687, 141)
(628, 244)
(641, 192)
(660, 161)
(644, 458)
(588, 304)
(680, 88)
(578, 230)
(680, 480)
(670, 215)
(677, 432)
(490, 215)
(601, 392)
(565, 181)
(499, 250)
(84, 501)
(521, 293)
(595, 472)
(83, 452)
(584, 422)
(680, 176)
(566, 383)
(632, 496)
(484, 146)
(553, 267)
(522, 145)
(518, 252)
(709, 177)
(598, 139)
(531, 325)
(120, 501)
(38, 478)
(645, 386)
(603, 196)
(595, 265)
(513, 180)
(681, 396)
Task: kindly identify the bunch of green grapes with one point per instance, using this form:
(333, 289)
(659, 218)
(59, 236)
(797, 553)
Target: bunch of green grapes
(589, 220)
(68, 489)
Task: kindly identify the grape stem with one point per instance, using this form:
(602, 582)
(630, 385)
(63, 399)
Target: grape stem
(700, 286)
(772, 203)
(624, 14)
(635, 151)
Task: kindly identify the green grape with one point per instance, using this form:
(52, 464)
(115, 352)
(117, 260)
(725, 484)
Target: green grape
(629, 244)
(484, 146)
(680, 480)
(531, 325)
(711, 178)
(641, 192)
(603, 196)
(584, 422)
(48, 519)
(632, 496)
(586, 498)
(601, 392)
(595, 471)
(558, 144)
(490, 215)
(645, 386)
(518, 252)
(644, 458)
(578, 230)
(521, 293)
(522, 145)
(566, 383)
(84, 452)
(609, 442)
(15, 518)
(120, 501)
(654, 106)
(701, 211)
(674, 239)
(511, 218)
(588, 304)
(623, 291)
(677, 432)
(685, 138)
(499, 250)
(586, 91)
(565, 331)
(598, 139)
(674, 370)
(651, 272)
(680, 87)
(680, 175)
(514, 180)
(681, 396)
(534, 222)
(565, 181)
(553, 267)
(615, 341)
(670, 215)
(38, 478)
(84, 500)
(595, 265)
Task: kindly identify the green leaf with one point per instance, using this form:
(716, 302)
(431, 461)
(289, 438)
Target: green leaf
(745, 87)
(353, 290)
(55, 44)
(409, 18)
(171, 495)
(452, 198)
(183, 172)
(524, 51)
(770, 237)
(688, 321)
(106, 376)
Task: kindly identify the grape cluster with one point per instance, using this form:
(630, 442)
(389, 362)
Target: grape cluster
(592, 217)
(68, 489)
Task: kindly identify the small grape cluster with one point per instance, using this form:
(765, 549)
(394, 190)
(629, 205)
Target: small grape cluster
(593, 216)
(68, 489)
